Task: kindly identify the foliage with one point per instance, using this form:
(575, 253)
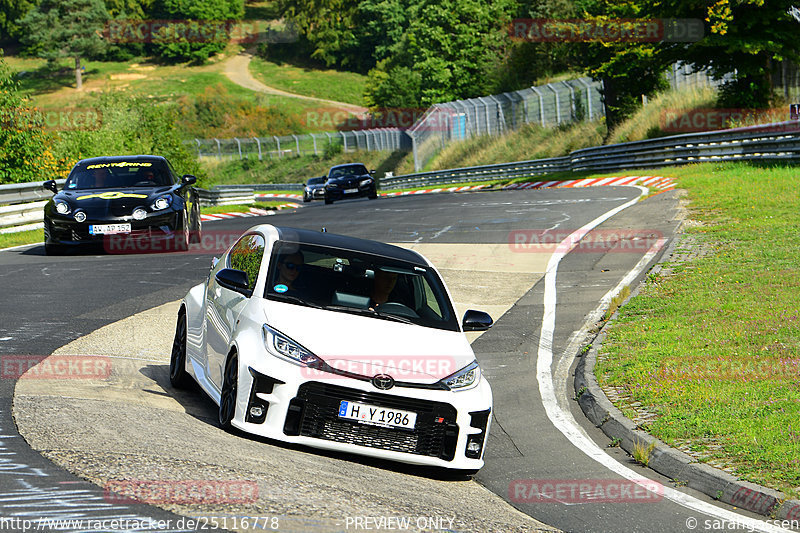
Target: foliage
(58, 29)
(129, 9)
(194, 11)
(216, 113)
(11, 11)
(448, 52)
(130, 125)
(24, 144)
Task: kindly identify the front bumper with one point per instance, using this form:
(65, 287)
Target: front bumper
(66, 231)
(339, 193)
(301, 405)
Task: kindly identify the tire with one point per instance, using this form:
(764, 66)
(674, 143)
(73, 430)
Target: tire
(306, 199)
(227, 399)
(373, 194)
(178, 376)
(196, 236)
(328, 200)
(182, 239)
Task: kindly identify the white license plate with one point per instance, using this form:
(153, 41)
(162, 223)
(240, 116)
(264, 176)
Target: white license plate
(109, 229)
(350, 191)
(379, 416)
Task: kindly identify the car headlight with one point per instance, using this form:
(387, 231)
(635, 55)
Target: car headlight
(139, 214)
(62, 208)
(279, 344)
(161, 203)
(465, 378)
(332, 186)
(367, 181)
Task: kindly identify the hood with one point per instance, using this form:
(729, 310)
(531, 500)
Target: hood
(118, 201)
(349, 180)
(370, 346)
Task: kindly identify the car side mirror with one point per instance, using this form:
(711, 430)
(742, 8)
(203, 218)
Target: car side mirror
(188, 179)
(476, 321)
(50, 185)
(235, 280)
(372, 172)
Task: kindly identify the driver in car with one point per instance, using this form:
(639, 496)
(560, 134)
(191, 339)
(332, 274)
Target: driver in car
(382, 286)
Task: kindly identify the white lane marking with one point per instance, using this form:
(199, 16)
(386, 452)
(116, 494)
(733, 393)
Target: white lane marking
(566, 424)
(6, 338)
(442, 231)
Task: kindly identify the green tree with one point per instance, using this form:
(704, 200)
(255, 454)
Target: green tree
(452, 47)
(129, 9)
(24, 145)
(743, 40)
(11, 11)
(58, 29)
(198, 44)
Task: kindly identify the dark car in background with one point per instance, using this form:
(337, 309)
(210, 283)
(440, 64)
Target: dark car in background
(141, 197)
(314, 189)
(352, 180)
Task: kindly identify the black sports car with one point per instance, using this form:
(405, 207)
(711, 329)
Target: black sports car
(351, 180)
(314, 189)
(123, 197)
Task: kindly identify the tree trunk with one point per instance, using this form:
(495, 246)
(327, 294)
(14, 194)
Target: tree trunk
(78, 74)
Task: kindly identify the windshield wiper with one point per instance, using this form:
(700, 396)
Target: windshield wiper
(369, 312)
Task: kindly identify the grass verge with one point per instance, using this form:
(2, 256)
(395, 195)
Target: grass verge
(215, 209)
(8, 240)
(713, 349)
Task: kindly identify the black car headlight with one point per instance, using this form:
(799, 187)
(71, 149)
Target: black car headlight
(367, 181)
(162, 203)
(279, 344)
(332, 186)
(464, 379)
(62, 208)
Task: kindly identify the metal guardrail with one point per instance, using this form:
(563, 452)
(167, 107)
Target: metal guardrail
(773, 142)
(778, 142)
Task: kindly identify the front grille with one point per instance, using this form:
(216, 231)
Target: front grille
(314, 413)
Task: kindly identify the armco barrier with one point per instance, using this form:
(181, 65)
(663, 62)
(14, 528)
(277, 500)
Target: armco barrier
(772, 142)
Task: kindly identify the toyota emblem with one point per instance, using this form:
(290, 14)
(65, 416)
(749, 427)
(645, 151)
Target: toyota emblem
(383, 381)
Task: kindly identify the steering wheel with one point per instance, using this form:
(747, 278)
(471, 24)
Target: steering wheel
(394, 308)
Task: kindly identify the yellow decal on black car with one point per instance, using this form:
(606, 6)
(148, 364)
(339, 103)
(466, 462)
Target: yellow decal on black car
(111, 195)
(120, 164)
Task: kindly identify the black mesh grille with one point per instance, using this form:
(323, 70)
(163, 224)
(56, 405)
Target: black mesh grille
(435, 434)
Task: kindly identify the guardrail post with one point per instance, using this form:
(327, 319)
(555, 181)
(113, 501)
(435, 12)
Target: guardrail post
(258, 142)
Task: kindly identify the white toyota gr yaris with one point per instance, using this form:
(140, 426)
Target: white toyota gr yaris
(337, 343)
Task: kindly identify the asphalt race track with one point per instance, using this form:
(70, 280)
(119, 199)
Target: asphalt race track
(482, 244)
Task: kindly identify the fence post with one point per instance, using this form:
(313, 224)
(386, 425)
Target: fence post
(558, 104)
(198, 147)
(344, 141)
(315, 143)
(240, 147)
(296, 144)
(219, 149)
(571, 99)
(258, 142)
(588, 96)
(278, 143)
(541, 106)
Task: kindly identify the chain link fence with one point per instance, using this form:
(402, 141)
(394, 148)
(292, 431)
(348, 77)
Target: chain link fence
(548, 105)
(379, 139)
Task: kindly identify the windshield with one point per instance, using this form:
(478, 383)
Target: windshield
(352, 282)
(118, 174)
(348, 171)
(316, 181)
